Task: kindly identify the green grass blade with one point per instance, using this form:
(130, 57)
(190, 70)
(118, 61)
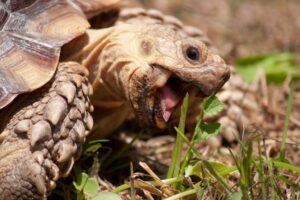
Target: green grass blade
(176, 155)
(284, 165)
(286, 122)
(190, 144)
(275, 194)
(261, 172)
(289, 182)
(246, 178)
(182, 194)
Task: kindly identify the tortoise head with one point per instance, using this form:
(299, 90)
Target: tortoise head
(157, 66)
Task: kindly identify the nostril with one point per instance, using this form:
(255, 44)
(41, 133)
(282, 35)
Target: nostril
(226, 76)
(222, 71)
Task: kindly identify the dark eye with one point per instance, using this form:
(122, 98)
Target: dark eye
(192, 53)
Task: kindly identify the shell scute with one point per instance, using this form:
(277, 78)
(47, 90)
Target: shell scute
(14, 5)
(32, 33)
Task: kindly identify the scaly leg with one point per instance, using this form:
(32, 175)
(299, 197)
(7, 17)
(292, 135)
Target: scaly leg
(42, 134)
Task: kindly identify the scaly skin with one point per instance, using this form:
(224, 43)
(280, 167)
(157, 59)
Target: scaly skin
(44, 134)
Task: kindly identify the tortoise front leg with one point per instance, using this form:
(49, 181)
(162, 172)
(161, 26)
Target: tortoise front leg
(43, 134)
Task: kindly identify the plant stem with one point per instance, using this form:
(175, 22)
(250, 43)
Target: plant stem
(165, 181)
(182, 194)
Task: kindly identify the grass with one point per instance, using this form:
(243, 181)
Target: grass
(253, 175)
(174, 168)
(286, 122)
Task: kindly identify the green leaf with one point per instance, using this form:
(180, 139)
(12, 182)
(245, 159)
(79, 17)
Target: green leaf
(87, 185)
(92, 149)
(289, 182)
(223, 169)
(277, 66)
(216, 175)
(220, 168)
(206, 130)
(284, 165)
(80, 182)
(91, 187)
(212, 106)
(93, 146)
(106, 196)
(236, 196)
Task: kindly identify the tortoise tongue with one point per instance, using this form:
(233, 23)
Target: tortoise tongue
(168, 100)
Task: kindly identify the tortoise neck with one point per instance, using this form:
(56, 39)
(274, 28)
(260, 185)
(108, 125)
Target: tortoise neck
(107, 54)
(109, 63)
(110, 109)
(86, 49)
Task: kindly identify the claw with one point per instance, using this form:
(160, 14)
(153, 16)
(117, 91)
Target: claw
(65, 150)
(56, 110)
(80, 129)
(39, 157)
(52, 169)
(85, 89)
(67, 168)
(37, 178)
(51, 185)
(40, 131)
(67, 90)
(89, 121)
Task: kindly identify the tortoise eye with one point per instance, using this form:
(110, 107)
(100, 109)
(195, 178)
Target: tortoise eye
(192, 53)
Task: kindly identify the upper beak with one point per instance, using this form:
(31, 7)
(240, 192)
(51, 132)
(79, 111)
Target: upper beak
(209, 77)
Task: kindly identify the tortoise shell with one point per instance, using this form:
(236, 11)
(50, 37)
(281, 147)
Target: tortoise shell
(32, 33)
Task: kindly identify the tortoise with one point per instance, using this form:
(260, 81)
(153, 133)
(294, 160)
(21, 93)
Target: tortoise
(56, 69)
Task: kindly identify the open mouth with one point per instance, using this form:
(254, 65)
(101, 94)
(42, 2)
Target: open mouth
(155, 95)
(168, 98)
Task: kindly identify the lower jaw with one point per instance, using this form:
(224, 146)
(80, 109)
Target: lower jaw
(160, 123)
(157, 117)
(149, 112)
(152, 117)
